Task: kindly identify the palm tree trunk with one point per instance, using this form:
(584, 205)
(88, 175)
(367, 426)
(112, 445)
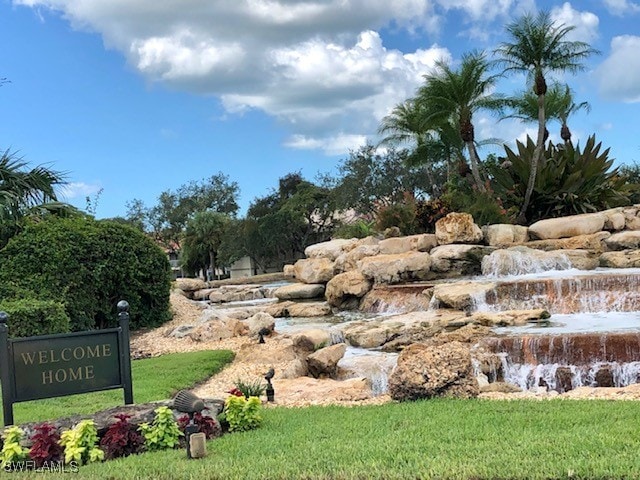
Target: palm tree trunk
(475, 161)
(535, 160)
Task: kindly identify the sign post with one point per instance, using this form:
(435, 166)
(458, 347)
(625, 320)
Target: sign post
(48, 366)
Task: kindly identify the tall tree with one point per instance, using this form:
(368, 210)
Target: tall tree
(26, 192)
(455, 95)
(203, 237)
(538, 46)
(559, 105)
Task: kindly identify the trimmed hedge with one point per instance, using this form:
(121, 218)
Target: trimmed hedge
(28, 317)
(89, 265)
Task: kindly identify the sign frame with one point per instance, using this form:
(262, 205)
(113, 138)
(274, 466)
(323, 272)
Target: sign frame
(13, 388)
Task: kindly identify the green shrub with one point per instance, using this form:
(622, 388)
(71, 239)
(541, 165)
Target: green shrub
(29, 317)
(81, 443)
(163, 432)
(429, 212)
(242, 413)
(484, 207)
(401, 215)
(89, 265)
(358, 229)
(251, 389)
(570, 180)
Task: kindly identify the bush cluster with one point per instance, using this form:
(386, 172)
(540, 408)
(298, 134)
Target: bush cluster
(28, 317)
(88, 266)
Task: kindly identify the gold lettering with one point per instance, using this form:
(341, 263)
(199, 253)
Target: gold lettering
(93, 353)
(68, 357)
(52, 353)
(106, 350)
(61, 375)
(78, 353)
(42, 356)
(88, 372)
(75, 374)
(47, 377)
(28, 358)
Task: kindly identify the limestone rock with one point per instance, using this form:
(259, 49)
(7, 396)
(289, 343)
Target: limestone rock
(500, 387)
(314, 270)
(422, 243)
(615, 219)
(582, 259)
(346, 285)
(508, 317)
(202, 294)
(570, 226)
(324, 362)
(298, 309)
(311, 340)
(624, 259)
(295, 369)
(592, 241)
(289, 271)
(331, 249)
(260, 321)
(462, 295)
(457, 228)
(459, 259)
(428, 371)
(256, 354)
(190, 285)
(349, 260)
(182, 331)
(501, 235)
(631, 218)
(297, 291)
(395, 268)
(629, 240)
(218, 330)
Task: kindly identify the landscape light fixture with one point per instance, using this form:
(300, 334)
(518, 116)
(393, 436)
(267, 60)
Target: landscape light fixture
(187, 402)
(269, 390)
(261, 334)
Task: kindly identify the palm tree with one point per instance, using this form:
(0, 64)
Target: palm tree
(203, 237)
(559, 105)
(539, 46)
(26, 192)
(455, 95)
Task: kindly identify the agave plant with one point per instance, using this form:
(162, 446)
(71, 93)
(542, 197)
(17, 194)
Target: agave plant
(570, 180)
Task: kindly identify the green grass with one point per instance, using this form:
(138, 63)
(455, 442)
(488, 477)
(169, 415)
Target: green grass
(154, 379)
(448, 439)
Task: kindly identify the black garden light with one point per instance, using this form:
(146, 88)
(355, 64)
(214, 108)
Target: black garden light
(187, 402)
(269, 390)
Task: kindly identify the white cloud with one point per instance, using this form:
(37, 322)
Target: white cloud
(586, 23)
(333, 145)
(74, 190)
(621, 7)
(619, 75)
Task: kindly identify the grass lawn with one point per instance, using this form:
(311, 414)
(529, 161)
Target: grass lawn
(452, 439)
(153, 379)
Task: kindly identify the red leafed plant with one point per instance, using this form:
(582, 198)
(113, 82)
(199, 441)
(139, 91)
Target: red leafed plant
(46, 446)
(208, 425)
(121, 439)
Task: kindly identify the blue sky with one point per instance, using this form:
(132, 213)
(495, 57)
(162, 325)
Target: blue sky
(135, 97)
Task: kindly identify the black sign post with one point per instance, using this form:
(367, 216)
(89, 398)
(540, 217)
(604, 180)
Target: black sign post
(48, 366)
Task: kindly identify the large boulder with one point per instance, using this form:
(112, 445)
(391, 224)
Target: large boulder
(421, 243)
(349, 260)
(324, 362)
(311, 340)
(261, 321)
(190, 285)
(458, 259)
(501, 234)
(289, 308)
(629, 240)
(433, 371)
(331, 249)
(396, 268)
(314, 270)
(570, 226)
(462, 295)
(592, 241)
(457, 228)
(582, 259)
(615, 219)
(345, 286)
(632, 218)
(624, 259)
(218, 330)
(297, 291)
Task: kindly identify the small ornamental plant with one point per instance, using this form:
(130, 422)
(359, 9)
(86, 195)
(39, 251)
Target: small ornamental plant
(121, 439)
(81, 444)
(207, 424)
(163, 432)
(242, 413)
(250, 389)
(45, 445)
(12, 451)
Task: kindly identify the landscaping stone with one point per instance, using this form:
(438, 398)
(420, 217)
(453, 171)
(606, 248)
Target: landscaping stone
(570, 226)
(457, 228)
(298, 291)
(345, 286)
(395, 268)
(324, 362)
(314, 270)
